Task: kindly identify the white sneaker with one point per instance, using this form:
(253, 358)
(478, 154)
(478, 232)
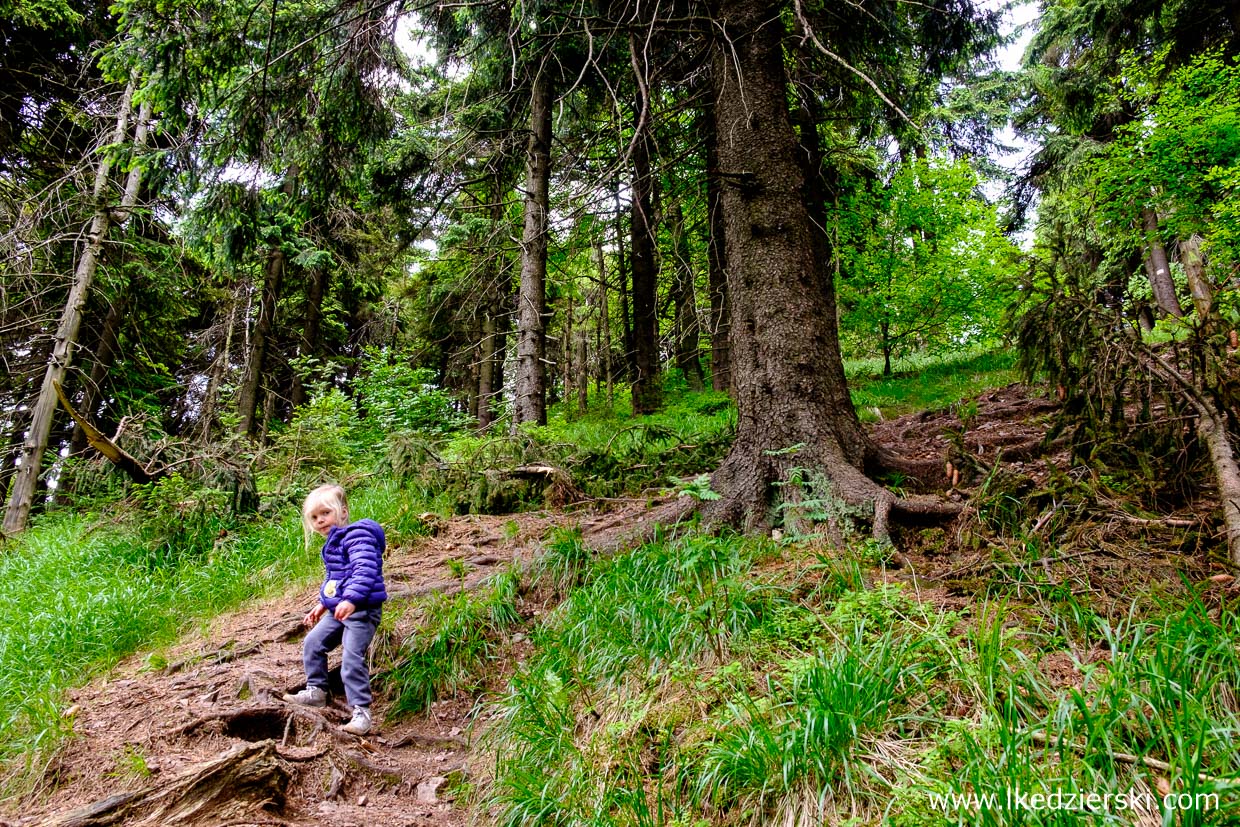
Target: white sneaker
(359, 724)
(310, 696)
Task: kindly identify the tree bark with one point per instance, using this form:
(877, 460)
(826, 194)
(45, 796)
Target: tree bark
(622, 287)
(25, 482)
(105, 355)
(604, 320)
(720, 360)
(1195, 273)
(231, 789)
(792, 401)
(1161, 284)
(531, 380)
(491, 342)
(647, 392)
(583, 365)
(273, 276)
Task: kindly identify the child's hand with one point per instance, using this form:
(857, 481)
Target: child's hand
(314, 615)
(343, 609)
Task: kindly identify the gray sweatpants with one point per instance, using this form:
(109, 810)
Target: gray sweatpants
(356, 633)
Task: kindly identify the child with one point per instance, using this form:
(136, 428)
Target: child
(350, 603)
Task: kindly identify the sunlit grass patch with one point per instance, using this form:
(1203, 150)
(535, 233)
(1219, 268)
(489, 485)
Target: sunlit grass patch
(927, 383)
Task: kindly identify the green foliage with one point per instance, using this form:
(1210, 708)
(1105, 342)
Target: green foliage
(398, 397)
(1182, 158)
(640, 618)
(924, 262)
(783, 750)
(43, 14)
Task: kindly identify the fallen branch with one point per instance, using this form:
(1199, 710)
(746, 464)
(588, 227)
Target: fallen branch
(114, 453)
(1121, 757)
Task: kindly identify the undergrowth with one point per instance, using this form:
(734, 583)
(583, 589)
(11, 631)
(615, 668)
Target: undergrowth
(98, 587)
(732, 681)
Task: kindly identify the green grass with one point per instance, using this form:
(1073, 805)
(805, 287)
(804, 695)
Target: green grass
(91, 589)
(922, 383)
(681, 685)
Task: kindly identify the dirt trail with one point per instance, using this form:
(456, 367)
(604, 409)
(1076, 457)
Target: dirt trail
(149, 732)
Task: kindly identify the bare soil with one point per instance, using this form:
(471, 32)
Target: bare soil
(153, 722)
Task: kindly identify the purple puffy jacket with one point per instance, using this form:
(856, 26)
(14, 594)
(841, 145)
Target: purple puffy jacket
(353, 557)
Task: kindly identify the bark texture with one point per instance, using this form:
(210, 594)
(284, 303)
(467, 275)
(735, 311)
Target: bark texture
(231, 789)
(647, 392)
(260, 339)
(531, 380)
(1161, 284)
(792, 402)
(720, 357)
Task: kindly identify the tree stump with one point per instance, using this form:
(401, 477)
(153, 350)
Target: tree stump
(247, 778)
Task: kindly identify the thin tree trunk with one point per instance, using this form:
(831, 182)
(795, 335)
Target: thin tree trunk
(210, 399)
(105, 355)
(25, 482)
(684, 295)
(566, 352)
(604, 320)
(647, 391)
(316, 290)
(1195, 273)
(1161, 284)
(583, 367)
(531, 381)
(273, 276)
(720, 360)
(491, 344)
(622, 287)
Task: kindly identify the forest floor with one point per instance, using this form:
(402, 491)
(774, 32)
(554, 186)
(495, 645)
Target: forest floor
(199, 734)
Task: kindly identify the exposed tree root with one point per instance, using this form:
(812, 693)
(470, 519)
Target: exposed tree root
(240, 782)
(746, 484)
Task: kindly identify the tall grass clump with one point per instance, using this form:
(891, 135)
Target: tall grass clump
(808, 738)
(95, 589)
(449, 651)
(1152, 725)
(588, 730)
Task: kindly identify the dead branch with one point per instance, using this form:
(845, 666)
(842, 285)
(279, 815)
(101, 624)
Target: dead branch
(114, 453)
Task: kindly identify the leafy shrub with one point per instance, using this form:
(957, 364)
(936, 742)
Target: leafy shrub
(397, 397)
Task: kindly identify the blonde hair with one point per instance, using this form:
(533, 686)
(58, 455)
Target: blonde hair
(330, 497)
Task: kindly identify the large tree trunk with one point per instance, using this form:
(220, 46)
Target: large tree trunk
(685, 297)
(273, 276)
(1159, 269)
(792, 401)
(647, 392)
(25, 482)
(720, 357)
(531, 381)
